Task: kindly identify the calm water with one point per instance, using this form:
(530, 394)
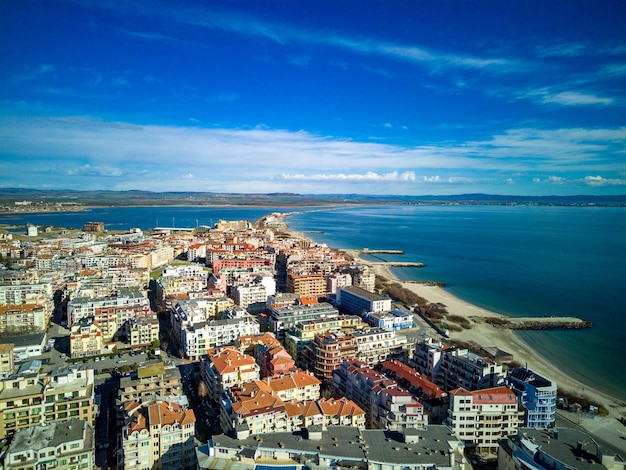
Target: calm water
(124, 218)
(520, 261)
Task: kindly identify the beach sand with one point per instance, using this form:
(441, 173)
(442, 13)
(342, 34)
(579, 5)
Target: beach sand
(488, 336)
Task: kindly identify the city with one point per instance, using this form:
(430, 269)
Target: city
(246, 346)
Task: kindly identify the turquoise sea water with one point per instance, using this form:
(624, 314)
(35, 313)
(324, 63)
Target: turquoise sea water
(516, 260)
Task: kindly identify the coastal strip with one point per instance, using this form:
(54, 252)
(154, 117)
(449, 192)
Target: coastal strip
(481, 332)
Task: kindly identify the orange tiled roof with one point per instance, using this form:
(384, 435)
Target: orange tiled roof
(228, 359)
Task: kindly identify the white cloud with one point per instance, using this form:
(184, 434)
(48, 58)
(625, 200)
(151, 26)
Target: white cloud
(368, 176)
(88, 170)
(124, 156)
(600, 181)
(567, 98)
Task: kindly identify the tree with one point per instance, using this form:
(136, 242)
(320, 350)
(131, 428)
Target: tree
(203, 390)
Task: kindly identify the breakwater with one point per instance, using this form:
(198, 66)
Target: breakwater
(367, 251)
(397, 264)
(539, 323)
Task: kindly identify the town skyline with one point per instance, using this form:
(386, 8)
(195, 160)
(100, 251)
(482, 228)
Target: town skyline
(411, 98)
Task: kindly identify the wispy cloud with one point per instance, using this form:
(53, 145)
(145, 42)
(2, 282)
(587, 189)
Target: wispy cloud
(567, 98)
(592, 181)
(368, 176)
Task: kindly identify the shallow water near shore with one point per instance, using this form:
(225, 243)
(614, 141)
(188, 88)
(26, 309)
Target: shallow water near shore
(515, 260)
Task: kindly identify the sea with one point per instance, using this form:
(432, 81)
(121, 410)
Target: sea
(516, 260)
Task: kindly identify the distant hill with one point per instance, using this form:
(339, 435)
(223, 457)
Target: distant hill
(8, 197)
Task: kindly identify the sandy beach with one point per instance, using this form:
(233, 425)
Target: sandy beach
(488, 336)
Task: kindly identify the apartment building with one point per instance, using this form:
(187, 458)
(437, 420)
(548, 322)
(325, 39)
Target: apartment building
(69, 393)
(142, 331)
(362, 277)
(537, 394)
(85, 338)
(252, 297)
(256, 345)
(387, 406)
(376, 345)
(6, 359)
(276, 361)
(23, 318)
(198, 338)
(433, 398)
(30, 398)
(390, 321)
(558, 448)
(298, 336)
(326, 353)
(184, 312)
(225, 367)
(25, 293)
(350, 447)
(65, 445)
(259, 408)
(341, 412)
(452, 368)
(361, 301)
(159, 435)
(281, 319)
(306, 284)
(484, 417)
(110, 313)
(150, 382)
(336, 280)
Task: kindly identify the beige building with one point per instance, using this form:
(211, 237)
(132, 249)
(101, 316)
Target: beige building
(31, 399)
(226, 367)
(24, 318)
(65, 445)
(142, 331)
(151, 382)
(6, 359)
(159, 435)
(484, 417)
(85, 338)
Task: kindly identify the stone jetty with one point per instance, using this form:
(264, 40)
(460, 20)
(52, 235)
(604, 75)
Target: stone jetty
(538, 323)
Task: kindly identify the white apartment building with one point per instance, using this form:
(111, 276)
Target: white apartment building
(65, 445)
(376, 345)
(336, 280)
(15, 294)
(110, 313)
(252, 297)
(484, 417)
(197, 338)
(452, 368)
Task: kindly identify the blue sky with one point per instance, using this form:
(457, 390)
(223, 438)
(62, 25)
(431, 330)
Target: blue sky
(373, 97)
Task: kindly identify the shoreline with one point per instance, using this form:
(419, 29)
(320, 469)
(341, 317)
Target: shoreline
(485, 334)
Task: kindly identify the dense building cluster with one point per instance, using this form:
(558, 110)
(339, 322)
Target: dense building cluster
(299, 361)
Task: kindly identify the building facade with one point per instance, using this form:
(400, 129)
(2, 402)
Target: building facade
(484, 417)
(536, 394)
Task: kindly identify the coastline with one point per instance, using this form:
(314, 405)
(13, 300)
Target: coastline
(487, 335)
